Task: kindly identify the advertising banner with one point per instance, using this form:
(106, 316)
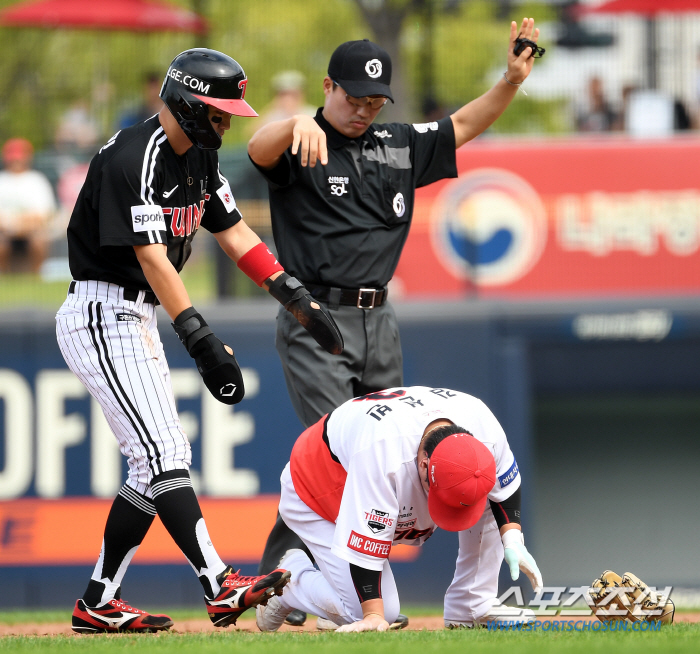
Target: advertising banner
(569, 218)
(60, 465)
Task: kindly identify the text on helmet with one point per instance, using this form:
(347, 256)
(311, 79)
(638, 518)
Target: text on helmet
(188, 80)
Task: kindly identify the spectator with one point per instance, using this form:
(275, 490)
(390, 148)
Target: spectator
(150, 105)
(620, 124)
(681, 117)
(27, 207)
(289, 100)
(598, 116)
(77, 130)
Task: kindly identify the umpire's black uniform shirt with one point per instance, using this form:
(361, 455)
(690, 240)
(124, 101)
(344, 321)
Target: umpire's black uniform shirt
(344, 224)
(139, 191)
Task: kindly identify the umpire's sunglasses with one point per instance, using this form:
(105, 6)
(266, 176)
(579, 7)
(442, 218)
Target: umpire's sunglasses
(374, 103)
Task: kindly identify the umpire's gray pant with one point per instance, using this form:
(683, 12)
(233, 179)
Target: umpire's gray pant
(319, 382)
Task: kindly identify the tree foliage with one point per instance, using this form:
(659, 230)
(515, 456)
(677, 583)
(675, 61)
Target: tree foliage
(43, 72)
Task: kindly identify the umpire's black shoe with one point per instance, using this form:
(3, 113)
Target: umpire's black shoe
(296, 618)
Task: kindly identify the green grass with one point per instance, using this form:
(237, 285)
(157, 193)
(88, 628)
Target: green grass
(676, 638)
(20, 290)
(43, 616)
(680, 637)
(25, 289)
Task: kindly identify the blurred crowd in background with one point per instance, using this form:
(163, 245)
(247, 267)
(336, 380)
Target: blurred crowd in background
(65, 91)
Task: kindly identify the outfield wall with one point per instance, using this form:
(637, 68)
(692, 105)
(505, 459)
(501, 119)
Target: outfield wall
(600, 401)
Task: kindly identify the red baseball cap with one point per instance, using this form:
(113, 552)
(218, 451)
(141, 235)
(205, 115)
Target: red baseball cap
(17, 149)
(461, 471)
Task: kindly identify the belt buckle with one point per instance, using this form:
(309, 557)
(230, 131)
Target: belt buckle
(360, 298)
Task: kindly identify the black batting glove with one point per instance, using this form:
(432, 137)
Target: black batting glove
(215, 361)
(312, 315)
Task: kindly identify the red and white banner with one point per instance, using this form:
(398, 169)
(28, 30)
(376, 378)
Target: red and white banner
(559, 218)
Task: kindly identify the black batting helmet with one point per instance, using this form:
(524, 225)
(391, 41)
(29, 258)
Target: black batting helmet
(200, 77)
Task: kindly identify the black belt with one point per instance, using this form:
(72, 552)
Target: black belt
(130, 294)
(362, 298)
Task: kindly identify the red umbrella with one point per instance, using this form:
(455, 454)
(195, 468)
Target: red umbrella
(646, 7)
(132, 15)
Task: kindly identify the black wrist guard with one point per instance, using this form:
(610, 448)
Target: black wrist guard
(312, 315)
(191, 328)
(215, 361)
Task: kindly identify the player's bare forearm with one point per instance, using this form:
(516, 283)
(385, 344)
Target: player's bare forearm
(373, 607)
(237, 240)
(269, 143)
(478, 115)
(163, 278)
(301, 132)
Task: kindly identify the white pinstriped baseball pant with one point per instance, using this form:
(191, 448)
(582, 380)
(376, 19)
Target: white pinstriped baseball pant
(114, 348)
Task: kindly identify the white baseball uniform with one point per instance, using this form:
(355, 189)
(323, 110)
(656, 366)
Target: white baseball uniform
(352, 490)
(138, 191)
(112, 344)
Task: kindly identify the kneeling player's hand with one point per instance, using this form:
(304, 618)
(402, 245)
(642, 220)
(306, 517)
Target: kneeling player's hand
(215, 361)
(311, 315)
(518, 558)
(371, 622)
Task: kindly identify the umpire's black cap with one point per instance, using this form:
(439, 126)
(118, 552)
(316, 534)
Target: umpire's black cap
(361, 68)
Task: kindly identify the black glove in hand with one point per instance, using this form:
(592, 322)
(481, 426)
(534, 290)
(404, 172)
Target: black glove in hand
(312, 315)
(215, 361)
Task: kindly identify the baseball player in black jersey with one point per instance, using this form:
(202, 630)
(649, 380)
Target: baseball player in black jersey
(147, 193)
(340, 226)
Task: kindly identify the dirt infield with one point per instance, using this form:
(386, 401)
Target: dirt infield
(432, 623)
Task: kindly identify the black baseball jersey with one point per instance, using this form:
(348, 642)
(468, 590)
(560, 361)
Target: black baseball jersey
(344, 224)
(139, 191)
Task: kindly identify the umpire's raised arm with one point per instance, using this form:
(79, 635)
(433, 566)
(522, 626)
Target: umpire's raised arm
(478, 115)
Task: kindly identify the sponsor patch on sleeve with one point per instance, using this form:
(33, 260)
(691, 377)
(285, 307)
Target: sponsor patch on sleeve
(422, 128)
(148, 218)
(509, 475)
(378, 520)
(226, 197)
(364, 545)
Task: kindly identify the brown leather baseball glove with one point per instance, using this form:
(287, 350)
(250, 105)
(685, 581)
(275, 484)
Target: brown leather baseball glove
(628, 598)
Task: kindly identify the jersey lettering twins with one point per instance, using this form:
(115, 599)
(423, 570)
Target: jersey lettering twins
(139, 191)
(357, 467)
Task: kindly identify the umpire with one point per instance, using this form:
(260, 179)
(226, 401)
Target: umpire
(340, 227)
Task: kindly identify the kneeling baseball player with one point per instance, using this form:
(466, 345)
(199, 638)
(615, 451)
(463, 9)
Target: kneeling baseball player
(147, 192)
(389, 468)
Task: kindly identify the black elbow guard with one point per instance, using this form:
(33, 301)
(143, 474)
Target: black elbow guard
(368, 583)
(507, 511)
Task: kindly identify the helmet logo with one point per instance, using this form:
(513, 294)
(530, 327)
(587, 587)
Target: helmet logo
(188, 80)
(242, 85)
(373, 68)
